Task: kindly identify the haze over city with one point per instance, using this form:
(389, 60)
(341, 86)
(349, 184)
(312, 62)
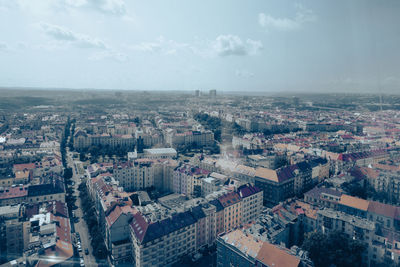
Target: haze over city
(300, 46)
(199, 133)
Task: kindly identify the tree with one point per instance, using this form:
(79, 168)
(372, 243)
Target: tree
(68, 173)
(315, 245)
(136, 120)
(335, 248)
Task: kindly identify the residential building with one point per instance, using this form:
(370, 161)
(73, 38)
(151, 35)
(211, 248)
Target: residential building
(252, 202)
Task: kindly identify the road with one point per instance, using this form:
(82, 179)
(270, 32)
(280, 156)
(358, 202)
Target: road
(81, 226)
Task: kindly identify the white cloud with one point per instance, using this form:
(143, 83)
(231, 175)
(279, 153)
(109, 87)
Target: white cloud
(244, 73)
(115, 7)
(161, 45)
(223, 45)
(42, 7)
(4, 46)
(108, 54)
(303, 15)
(232, 45)
(65, 35)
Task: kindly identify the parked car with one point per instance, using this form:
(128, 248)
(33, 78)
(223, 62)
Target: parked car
(86, 251)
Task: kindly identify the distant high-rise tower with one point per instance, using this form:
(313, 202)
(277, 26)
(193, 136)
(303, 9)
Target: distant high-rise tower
(296, 101)
(213, 93)
(197, 93)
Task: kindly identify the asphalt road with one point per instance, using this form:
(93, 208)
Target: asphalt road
(81, 226)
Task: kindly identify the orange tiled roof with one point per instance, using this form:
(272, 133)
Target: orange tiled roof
(354, 202)
(271, 255)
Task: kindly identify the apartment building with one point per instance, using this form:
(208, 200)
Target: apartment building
(83, 140)
(355, 227)
(233, 211)
(252, 198)
(183, 180)
(197, 138)
(117, 233)
(237, 248)
(135, 175)
(277, 185)
(163, 242)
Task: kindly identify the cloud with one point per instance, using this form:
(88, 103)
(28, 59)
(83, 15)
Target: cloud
(114, 7)
(108, 54)
(4, 46)
(161, 45)
(232, 45)
(244, 73)
(303, 15)
(111, 7)
(65, 35)
(223, 45)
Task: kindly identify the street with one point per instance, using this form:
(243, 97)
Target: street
(81, 226)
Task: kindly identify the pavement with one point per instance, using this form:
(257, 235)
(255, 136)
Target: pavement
(81, 227)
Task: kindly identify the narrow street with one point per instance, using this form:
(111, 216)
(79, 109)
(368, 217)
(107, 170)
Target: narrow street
(81, 227)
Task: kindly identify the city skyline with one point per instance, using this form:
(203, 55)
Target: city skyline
(265, 46)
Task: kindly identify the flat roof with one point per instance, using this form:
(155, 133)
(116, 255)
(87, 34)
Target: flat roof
(167, 150)
(9, 209)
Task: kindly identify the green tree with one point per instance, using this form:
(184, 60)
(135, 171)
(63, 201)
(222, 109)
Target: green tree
(334, 249)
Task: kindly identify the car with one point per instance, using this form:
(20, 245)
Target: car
(79, 249)
(86, 251)
(82, 262)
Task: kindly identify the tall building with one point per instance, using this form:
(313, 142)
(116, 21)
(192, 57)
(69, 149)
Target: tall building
(252, 198)
(197, 93)
(232, 210)
(213, 93)
(163, 242)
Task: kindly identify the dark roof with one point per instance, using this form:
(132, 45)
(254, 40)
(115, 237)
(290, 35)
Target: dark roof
(198, 213)
(146, 232)
(247, 190)
(46, 189)
(216, 203)
(229, 199)
(317, 191)
(60, 209)
(318, 161)
(286, 173)
(31, 209)
(304, 166)
(362, 155)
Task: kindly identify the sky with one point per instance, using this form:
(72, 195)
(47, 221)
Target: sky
(228, 45)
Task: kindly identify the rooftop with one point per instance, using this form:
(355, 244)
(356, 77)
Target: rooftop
(354, 202)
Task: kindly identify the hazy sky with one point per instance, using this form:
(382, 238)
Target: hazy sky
(247, 45)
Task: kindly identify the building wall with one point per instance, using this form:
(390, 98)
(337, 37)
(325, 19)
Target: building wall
(232, 216)
(252, 207)
(166, 250)
(275, 192)
(135, 177)
(228, 256)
